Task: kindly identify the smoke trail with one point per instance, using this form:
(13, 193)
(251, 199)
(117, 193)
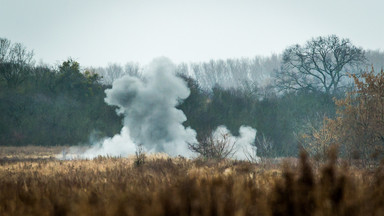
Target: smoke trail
(243, 144)
(150, 115)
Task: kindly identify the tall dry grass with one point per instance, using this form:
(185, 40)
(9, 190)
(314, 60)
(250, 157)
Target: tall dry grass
(177, 186)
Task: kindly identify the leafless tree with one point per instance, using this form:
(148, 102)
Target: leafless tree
(264, 146)
(15, 61)
(375, 59)
(319, 65)
(114, 71)
(240, 73)
(111, 73)
(5, 46)
(214, 147)
(133, 69)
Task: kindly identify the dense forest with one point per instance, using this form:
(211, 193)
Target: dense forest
(64, 105)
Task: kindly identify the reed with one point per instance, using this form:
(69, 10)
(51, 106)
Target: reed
(178, 186)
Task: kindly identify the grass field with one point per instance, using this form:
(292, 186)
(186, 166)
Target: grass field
(33, 182)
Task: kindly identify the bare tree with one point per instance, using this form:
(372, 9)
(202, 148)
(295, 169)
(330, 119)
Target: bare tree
(133, 69)
(241, 73)
(215, 147)
(320, 65)
(375, 59)
(15, 61)
(264, 146)
(5, 46)
(111, 73)
(114, 71)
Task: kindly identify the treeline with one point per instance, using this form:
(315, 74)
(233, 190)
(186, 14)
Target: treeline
(277, 118)
(229, 73)
(297, 93)
(236, 73)
(42, 105)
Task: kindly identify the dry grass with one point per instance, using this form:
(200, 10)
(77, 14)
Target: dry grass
(177, 186)
(28, 152)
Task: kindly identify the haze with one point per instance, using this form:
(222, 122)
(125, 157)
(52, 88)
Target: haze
(96, 33)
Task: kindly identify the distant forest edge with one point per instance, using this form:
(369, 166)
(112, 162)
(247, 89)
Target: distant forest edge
(282, 96)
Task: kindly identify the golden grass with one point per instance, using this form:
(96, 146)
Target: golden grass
(177, 186)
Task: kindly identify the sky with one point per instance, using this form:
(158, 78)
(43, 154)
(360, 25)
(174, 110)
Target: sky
(96, 33)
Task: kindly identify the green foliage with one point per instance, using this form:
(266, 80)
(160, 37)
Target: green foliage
(55, 107)
(276, 118)
(64, 105)
(195, 107)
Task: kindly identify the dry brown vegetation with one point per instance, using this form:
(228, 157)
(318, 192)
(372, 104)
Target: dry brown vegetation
(358, 129)
(178, 186)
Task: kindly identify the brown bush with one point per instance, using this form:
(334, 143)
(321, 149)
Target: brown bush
(217, 148)
(359, 127)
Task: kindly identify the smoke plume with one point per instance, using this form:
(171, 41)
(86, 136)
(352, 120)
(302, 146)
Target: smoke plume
(151, 119)
(243, 144)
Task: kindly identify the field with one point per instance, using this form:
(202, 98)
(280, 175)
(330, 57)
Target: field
(33, 182)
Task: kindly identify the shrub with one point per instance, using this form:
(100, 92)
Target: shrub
(212, 147)
(359, 126)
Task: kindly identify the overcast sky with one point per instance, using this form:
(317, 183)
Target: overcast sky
(96, 32)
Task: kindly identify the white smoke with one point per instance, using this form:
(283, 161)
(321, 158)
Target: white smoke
(150, 115)
(119, 145)
(243, 144)
(151, 119)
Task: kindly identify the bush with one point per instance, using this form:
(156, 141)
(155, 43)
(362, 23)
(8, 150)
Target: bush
(359, 126)
(214, 147)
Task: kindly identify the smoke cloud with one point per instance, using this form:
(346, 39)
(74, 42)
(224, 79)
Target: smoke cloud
(151, 119)
(150, 115)
(243, 144)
